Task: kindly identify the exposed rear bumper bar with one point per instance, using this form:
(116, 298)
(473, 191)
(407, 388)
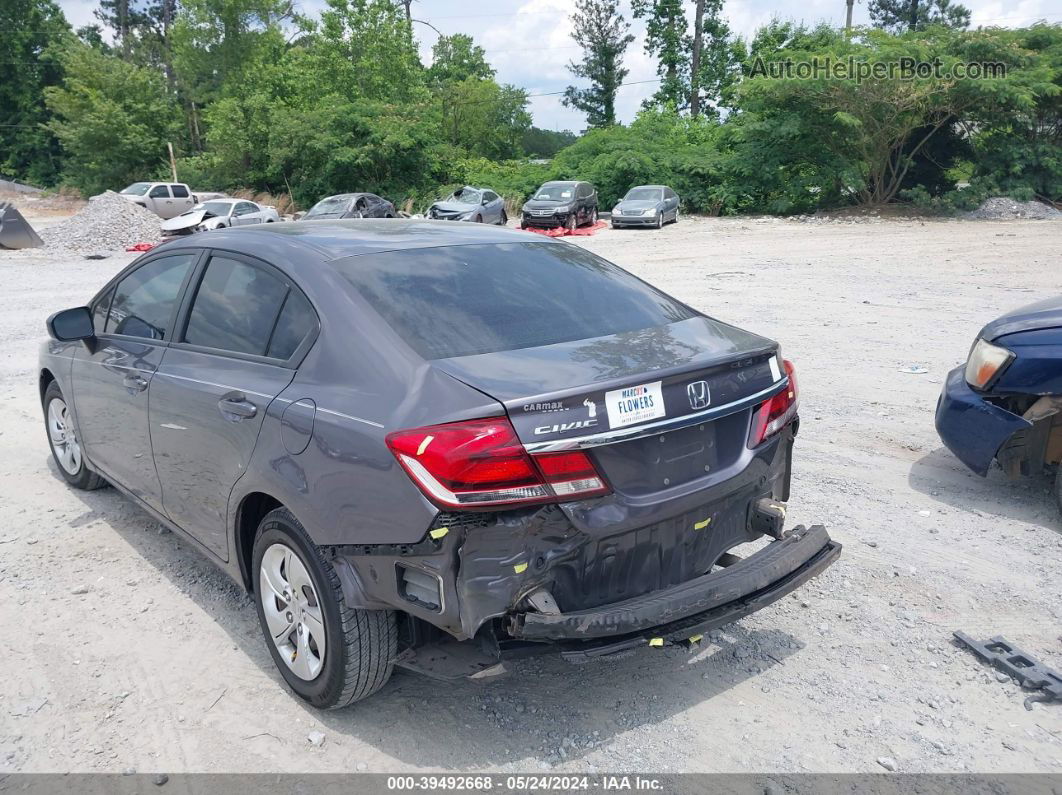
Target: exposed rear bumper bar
(693, 607)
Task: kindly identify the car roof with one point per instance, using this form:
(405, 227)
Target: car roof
(345, 196)
(562, 182)
(656, 187)
(338, 239)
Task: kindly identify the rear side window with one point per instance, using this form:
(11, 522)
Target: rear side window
(464, 300)
(244, 308)
(179, 191)
(235, 307)
(144, 300)
(295, 322)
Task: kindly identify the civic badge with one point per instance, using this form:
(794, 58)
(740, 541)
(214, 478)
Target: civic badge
(699, 394)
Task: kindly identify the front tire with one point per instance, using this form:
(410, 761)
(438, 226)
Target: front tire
(569, 223)
(504, 219)
(65, 443)
(330, 654)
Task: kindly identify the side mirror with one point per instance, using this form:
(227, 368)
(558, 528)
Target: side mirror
(71, 324)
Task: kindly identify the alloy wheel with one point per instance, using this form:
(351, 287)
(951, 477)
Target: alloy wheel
(63, 437)
(292, 611)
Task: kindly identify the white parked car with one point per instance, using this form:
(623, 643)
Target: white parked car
(219, 214)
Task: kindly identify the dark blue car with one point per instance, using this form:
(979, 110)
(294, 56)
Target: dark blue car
(1005, 402)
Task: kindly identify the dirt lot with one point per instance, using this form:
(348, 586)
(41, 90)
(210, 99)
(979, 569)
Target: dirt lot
(122, 649)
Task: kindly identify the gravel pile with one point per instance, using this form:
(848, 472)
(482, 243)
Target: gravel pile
(107, 223)
(1001, 208)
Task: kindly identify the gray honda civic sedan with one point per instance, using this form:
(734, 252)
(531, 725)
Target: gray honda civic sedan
(435, 445)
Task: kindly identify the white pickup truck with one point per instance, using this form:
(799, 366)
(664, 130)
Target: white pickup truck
(165, 199)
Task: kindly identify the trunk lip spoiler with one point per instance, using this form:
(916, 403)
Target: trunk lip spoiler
(652, 428)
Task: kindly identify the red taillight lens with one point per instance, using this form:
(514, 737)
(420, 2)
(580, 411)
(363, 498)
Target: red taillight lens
(774, 414)
(482, 463)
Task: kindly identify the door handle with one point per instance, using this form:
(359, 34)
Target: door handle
(134, 383)
(237, 407)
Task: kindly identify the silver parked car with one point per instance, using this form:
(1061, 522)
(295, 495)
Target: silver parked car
(646, 205)
(480, 205)
(220, 214)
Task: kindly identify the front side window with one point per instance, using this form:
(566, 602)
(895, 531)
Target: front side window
(244, 208)
(235, 308)
(144, 301)
(159, 192)
(99, 312)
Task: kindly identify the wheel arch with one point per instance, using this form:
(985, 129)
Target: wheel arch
(253, 508)
(46, 377)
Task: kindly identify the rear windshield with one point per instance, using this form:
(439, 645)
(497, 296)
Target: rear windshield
(464, 300)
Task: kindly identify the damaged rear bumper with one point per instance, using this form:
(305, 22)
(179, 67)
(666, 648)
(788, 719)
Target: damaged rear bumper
(696, 606)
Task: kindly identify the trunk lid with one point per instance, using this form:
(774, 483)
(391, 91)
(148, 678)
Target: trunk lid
(667, 405)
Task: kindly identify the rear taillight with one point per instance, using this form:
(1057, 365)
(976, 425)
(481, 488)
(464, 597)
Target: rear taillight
(774, 414)
(482, 463)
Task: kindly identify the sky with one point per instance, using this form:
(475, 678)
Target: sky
(529, 44)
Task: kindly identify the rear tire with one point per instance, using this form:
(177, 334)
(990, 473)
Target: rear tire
(359, 645)
(1058, 488)
(65, 442)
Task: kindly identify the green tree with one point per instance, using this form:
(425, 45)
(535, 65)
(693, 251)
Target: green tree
(1014, 121)
(456, 58)
(714, 62)
(216, 43)
(113, 119)
(666, 39)
(898, 16)
(368, 45)
(28, 149)
(484, 118)
(537, 142)
(604, 35)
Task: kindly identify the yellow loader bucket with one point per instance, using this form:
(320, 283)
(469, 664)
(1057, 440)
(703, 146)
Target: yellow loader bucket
(15, 231)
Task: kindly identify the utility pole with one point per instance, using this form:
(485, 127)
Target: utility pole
(695, 65)
(848, 18)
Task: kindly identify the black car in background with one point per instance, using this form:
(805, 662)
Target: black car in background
(567, 204)
(350, 205)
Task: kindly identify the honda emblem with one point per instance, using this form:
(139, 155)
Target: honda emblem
(699, 394)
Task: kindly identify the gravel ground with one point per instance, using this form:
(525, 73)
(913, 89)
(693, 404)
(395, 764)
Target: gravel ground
(124, 650)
